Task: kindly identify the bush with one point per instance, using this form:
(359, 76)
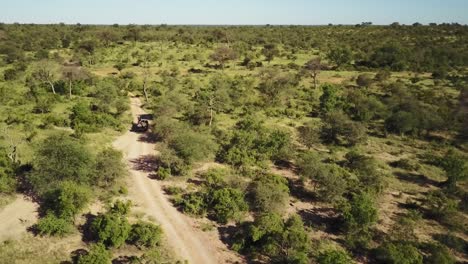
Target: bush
(67, 200)
(10, 74)
(60, 158)
(145, 234)
(253, 144)
(282, 241)
(227, 204)
(51, 225)
(109, 167)
(455, 166)
(339, 129)
(438, 254)
(191, 146)
(407, 164)
(96, 255)
(440, 206)
(111, 229)
(453, 242)
(359, 214)
(367, 170)
(398, 253)
(364, 80)
(270, 193)
(193, 203)
(334, 256)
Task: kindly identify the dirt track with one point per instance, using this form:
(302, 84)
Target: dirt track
(188, 242)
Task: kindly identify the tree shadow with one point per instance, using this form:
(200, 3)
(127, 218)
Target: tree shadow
(148, 138)
(76, 254)
(418, 179)
(125, 260)
(453, 242)
(297, 190)
(327, 218)
(146, 163)
(88, 236)
(227, 235)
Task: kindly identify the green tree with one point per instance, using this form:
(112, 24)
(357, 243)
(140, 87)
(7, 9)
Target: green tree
(339, 129)
(192, 146)
(52, 225)
(144, 234)
(109, 167)
(359, 214)
(270, 51)
(334, 256)
(282, 241)
(58, 158)
(98, 254)
(455, 166)
(309, 134)
(227, 204)
(340, 56)
(270, 193)
(398, 253)
(67, 200)
(330, 99)
(111, 229)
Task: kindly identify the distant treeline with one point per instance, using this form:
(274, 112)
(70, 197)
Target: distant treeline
(396, 47)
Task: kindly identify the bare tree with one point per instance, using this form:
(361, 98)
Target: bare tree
(313, 67)
(72, 73)
(47, 72)
(222, 55)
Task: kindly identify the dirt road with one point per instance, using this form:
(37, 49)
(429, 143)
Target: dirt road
(188, 242)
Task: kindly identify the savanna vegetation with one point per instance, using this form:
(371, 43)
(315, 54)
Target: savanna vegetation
(324, 144)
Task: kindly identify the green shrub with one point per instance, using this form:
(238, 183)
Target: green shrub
(334, 256)
(109, 167)
(111, 229)
(453, 242)
(96, 255)
(407, 164)
(456, 167)
(283, 241)
(270, 193)
(398, 253)
(227, 204)
(60, 158)
(67, 200)
(192, 146)
(194, 203)
(51, 225)
(144, 234)
(438, 254)
(439, 205)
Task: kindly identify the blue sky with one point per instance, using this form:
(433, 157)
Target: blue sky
(307, 12)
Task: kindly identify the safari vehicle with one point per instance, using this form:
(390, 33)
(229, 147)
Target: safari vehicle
(143, 123)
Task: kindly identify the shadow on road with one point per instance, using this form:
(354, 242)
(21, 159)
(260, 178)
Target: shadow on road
(146, 163)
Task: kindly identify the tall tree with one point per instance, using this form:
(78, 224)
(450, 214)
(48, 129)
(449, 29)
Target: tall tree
(222, 55)
(270, 51)
(313, 67)
(46, 71)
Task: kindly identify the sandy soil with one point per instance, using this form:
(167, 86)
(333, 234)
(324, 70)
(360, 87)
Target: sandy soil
(188, 242)
(16, 217)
